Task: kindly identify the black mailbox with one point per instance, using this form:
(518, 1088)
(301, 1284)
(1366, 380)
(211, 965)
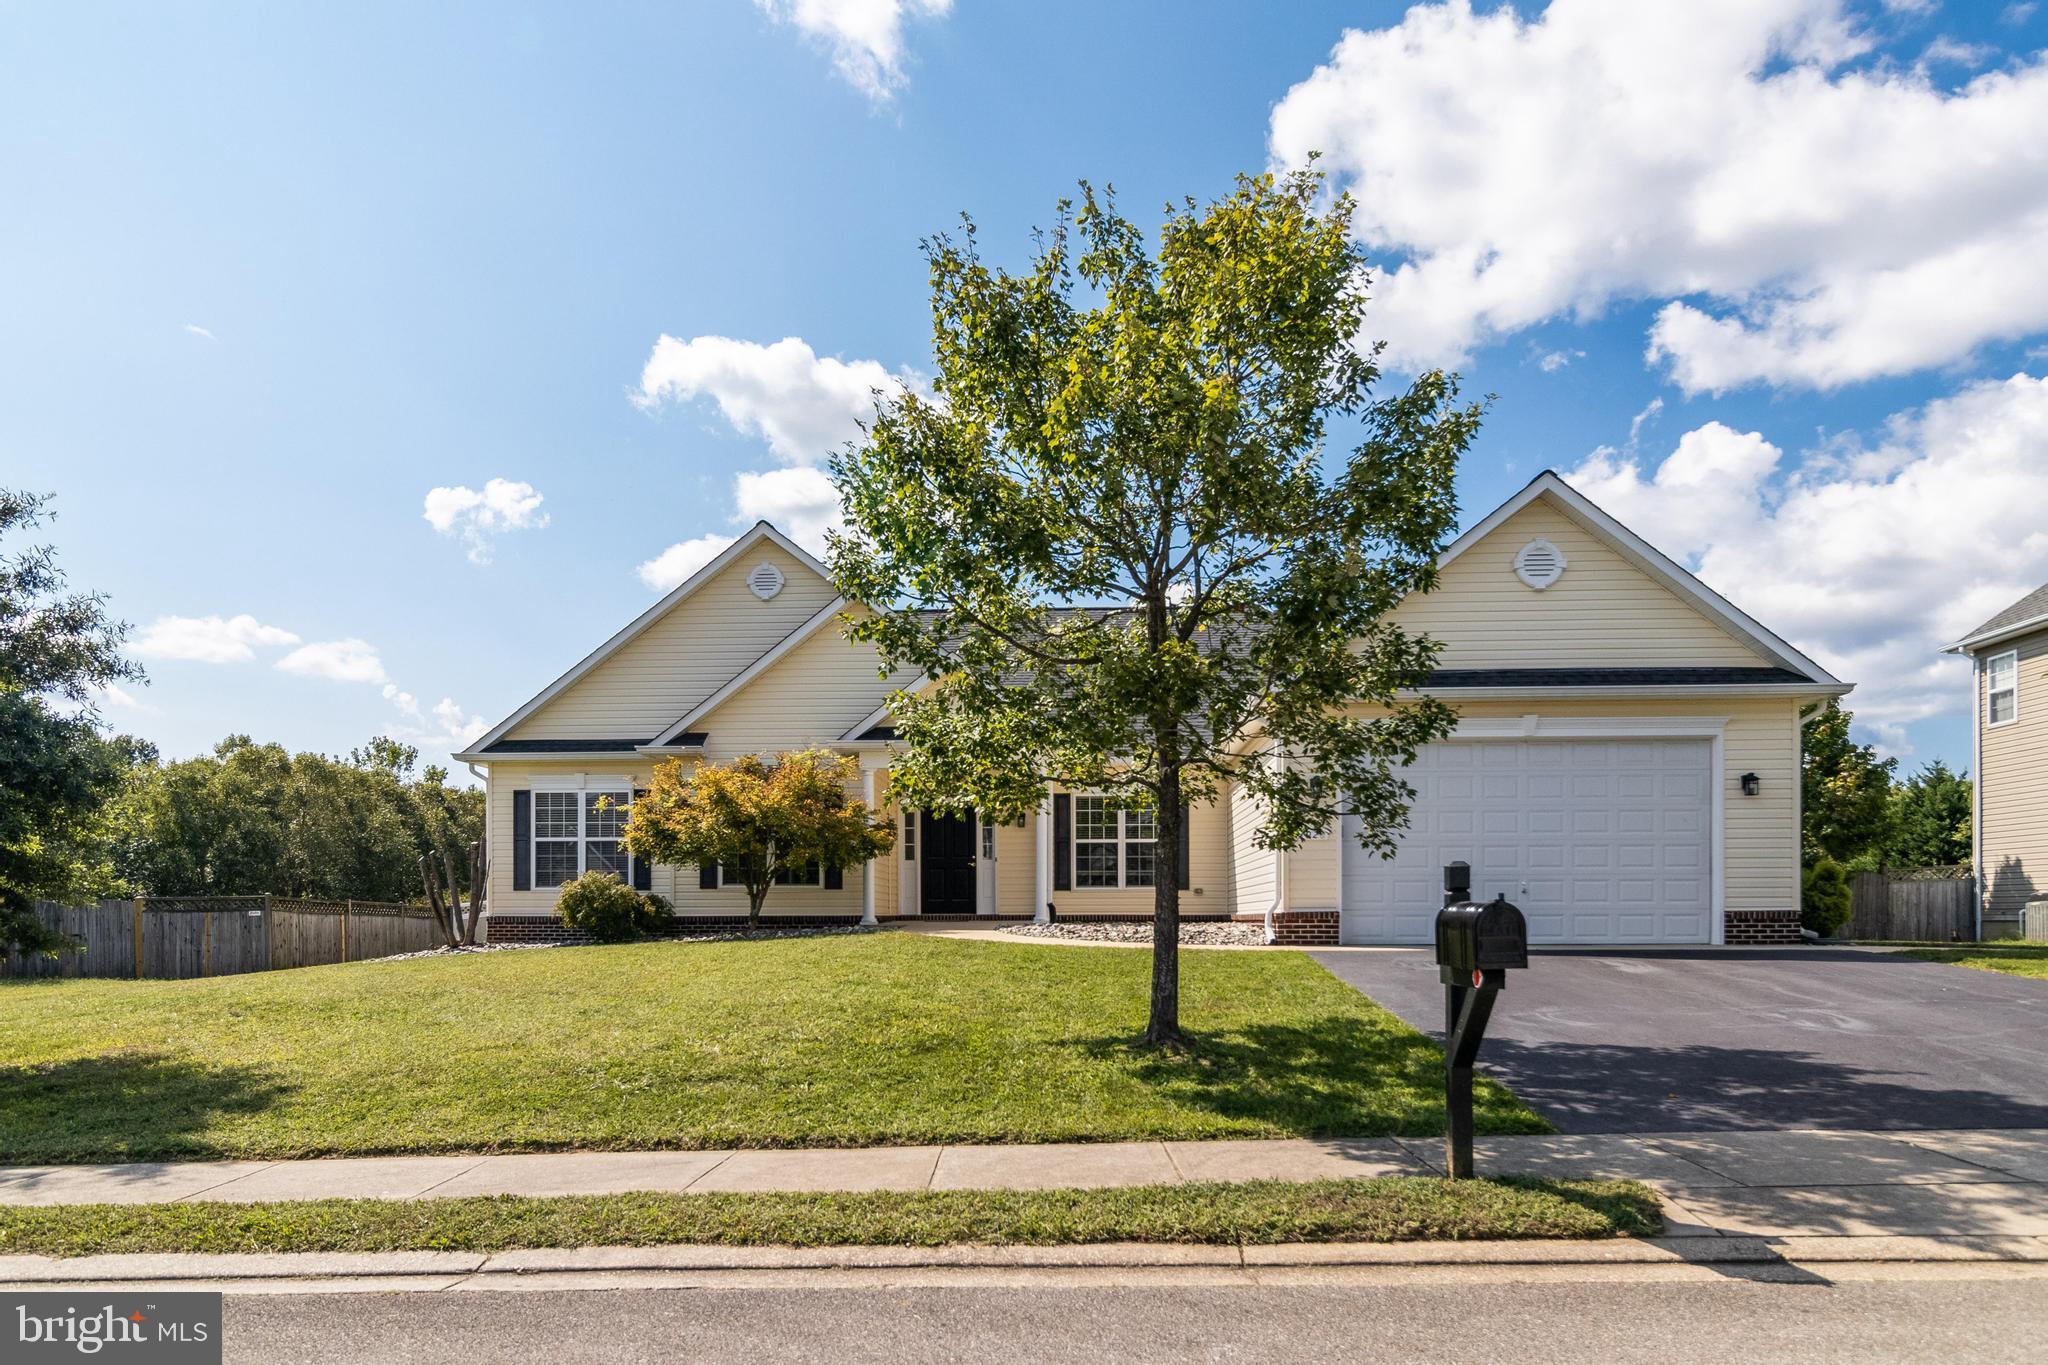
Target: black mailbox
(1475, 946)
(1479, 938)
(1457, 882)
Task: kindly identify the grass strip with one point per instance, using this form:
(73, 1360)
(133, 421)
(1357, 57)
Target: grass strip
(1392, 1209)
(2013, 959)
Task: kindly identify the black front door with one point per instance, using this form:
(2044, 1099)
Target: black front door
(947, 866)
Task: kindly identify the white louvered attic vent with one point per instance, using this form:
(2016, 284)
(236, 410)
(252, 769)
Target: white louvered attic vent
(1539, 564)
(765, 580)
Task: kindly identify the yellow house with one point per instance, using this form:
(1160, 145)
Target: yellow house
(1626, 769)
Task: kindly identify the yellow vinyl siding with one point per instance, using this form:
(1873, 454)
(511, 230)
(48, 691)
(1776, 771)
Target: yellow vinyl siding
(808, 698)
(1254, 881)
(700, 645)
(2014, 841)
(1603, 613)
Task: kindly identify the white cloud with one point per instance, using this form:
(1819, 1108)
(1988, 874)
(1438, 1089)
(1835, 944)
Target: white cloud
(1809, 218)
(476, 515)
(459, 726)
(196, 330)
(1550, 362)
(802, 503)
(1871, 555)
(208, 639)
(805, 406)
(669, 568)
(120, 698)
(865, 37)
(351, 660)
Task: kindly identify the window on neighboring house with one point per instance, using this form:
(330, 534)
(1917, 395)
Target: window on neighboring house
(578, 832)
(2002, 687)
(1112, 848)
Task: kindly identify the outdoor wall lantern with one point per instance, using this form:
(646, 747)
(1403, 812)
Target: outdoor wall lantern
(1750, 784)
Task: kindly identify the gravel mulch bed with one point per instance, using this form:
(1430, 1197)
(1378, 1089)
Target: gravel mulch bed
(790, 931)
(1140, 931)
(461, 952)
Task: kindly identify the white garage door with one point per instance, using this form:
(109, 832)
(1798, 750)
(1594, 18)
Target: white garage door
(1598, 841)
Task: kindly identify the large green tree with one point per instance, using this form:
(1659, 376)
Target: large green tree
(1930, 819)
(1845, 788)
(57, 770)
(1144, 536)
(253, 818)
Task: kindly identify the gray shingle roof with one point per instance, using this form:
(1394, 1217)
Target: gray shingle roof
(1612, 677)
(2027, 608)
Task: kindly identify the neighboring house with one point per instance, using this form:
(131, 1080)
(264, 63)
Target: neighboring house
(1627, 769)
(2009, 674)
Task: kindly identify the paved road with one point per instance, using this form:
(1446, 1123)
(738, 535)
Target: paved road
(1992, 1314)
(1674, 1040)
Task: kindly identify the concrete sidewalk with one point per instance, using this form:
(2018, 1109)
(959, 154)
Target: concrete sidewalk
(1770, 1184)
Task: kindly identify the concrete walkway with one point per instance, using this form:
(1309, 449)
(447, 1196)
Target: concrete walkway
(1769, 1184)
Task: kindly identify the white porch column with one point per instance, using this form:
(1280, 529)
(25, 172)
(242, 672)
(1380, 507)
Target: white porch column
(1044, 877)
(867, 869)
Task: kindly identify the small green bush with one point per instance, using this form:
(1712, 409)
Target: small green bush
(1824, 898)
(602, 906)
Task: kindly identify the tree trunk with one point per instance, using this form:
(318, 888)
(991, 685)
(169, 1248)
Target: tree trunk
(755, 897)
(1163, 1027)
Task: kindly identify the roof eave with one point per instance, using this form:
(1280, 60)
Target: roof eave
(1734, 691)
(1970, 644)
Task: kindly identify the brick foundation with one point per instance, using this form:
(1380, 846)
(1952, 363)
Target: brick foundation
(1750, 927)
(1299, 928)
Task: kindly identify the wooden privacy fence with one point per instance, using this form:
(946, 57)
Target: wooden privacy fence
(174, 937)
(1912, 906)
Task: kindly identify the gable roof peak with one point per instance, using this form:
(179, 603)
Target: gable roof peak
(745, 541)
(1645, 556)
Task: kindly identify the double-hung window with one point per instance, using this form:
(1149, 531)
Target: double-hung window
(799, 874)
(578, 831)
(1112, 848)
(2002, 688)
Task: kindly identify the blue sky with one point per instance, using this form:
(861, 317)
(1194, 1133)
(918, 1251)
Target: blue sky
(271, 277)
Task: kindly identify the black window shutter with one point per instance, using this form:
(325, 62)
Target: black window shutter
(707, 876)
(522, 841)
(643, 868)
(835, 878)
(1185, 842)
(1062, 842)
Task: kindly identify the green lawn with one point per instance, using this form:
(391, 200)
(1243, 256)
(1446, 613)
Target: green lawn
(2014, 959)
(832, 1041)
(1399, 1209)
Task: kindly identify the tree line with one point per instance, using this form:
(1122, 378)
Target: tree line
(1859, 813)
(87, 813)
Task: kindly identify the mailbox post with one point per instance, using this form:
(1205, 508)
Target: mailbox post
(1475, 946)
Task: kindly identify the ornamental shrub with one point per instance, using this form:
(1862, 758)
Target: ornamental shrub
(602, 906)
(1824, 898)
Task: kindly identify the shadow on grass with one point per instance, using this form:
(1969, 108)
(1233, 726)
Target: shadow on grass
(123, 1106)
(1338, 1076)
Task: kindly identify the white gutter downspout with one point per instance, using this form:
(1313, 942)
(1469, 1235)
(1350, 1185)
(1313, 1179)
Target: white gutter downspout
(1977, 796)
(1279, 895)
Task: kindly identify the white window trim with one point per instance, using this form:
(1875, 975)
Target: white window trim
(580, 788)
(1122, 841)
(1991, 662)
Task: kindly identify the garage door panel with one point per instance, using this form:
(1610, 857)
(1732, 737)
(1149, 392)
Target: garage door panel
(1597, 841)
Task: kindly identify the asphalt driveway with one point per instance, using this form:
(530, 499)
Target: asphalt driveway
(1704, 1039)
